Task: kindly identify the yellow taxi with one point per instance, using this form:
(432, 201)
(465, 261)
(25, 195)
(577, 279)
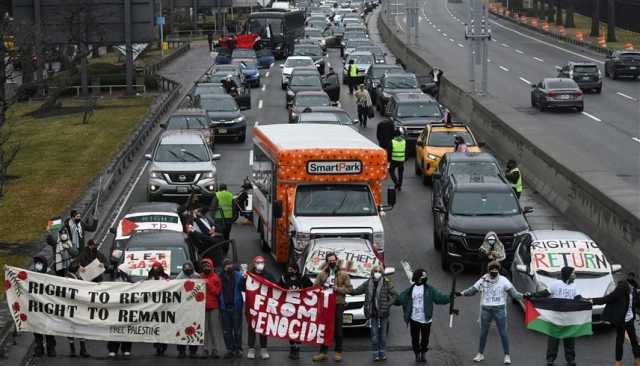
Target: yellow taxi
(436, 140)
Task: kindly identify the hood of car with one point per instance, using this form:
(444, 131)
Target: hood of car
(416, 121)
(477, 225)
(297, 88)
(223, 116)
(586, 287)
(395, 91)
(183, 166)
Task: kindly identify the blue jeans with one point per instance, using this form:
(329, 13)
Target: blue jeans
(489, 313)
(378, 335)
(231, 320)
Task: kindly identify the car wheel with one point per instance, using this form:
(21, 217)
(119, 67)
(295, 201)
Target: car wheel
(417, 167)
(426, 180)
(445, 262)
(613, 75)
(541, 106)
(284, 87)
(437, 244)
(580, 108)
(598, 90)
(533, 101)
(606, 71)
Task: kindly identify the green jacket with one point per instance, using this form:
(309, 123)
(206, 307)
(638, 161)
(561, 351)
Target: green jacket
(431, 296)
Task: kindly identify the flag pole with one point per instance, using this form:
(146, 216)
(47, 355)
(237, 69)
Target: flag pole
(456, 268)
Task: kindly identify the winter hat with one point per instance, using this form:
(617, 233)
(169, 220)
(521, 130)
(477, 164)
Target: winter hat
(258, 259)
(565, 273)
(226, 262)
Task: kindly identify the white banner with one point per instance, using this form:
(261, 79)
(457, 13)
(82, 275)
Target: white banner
(138, 263)
(164, 311)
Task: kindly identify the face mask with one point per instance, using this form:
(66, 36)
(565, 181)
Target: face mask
(77, 220)
(260, 266)
(333, 265)
(492, 241)
(189, 272)
(39, 266)
(64, 237)
(377, 275)
(572, 278)
(493, 274)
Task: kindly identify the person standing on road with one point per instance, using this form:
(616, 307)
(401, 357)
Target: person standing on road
(65, 252)
(157, 273)
(491, 249)
(257, 268)
(188, 272)
(119, 275)
(205, 235)
(222, 208)
(460, 145)
(514, 177)
(384, 134)
(231, 304)
(210, 41)
(417, 306)
(398, 156)
(40, 265)
(363, 102)
(331, 276)
(87, 255)
(353, 76)
(620, 311)
(77, 228)
(212, 312)
(333, 85)
(493, 290)
(292, 279)
(379, 295)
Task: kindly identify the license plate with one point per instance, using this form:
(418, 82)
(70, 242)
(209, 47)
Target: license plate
(347, 318)
(585, 78)
(564, 97)
(222, 130)
(632, 67)
(182, 189)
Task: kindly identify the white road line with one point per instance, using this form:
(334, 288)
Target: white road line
(264, 87)
(125, 201)
(256, 124)
(260, 104)
(626, 96)
(406, 266)
(503, 68)
(434, 26)
(250, 157)
(520, 52)
(525, 81)
(488, 60)
(438, 30)
(538, 59)
(546, 43)
(451, 40)
(460, 45)
(267, 74)
(636, 139)
(505, 45)
(592, 117)
(444, 35)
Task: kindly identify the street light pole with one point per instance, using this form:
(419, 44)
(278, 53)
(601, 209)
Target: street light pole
(478, 33)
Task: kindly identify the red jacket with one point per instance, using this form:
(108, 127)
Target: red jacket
(213, 288)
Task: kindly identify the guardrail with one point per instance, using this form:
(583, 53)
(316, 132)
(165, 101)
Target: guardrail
(109, 88)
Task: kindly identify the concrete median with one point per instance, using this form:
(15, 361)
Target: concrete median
(595, 200)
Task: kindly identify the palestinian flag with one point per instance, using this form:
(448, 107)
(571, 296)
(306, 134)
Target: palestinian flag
(558, 318)
(54, 224)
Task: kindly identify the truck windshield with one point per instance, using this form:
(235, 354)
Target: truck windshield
(334, 200)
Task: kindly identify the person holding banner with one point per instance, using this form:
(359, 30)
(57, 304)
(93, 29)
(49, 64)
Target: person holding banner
(87, 255)
(64, 253)
(212, 312)
(258, 269)
(188, 272)
(332, 276)
(417, 305)
(40, 265)
(77, 228)
(292, 279)
(379, 295)
(157, 273)
(231, 305)
(493, 290)
(119, 275)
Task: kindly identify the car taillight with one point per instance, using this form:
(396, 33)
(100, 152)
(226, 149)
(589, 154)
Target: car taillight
(578, 93)
(552, 94)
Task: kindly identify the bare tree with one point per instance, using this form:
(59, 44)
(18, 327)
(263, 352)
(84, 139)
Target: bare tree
(611, 21)
(9, 149)
(558, 12)
(568, 19)
(595, 18)
(550, 14)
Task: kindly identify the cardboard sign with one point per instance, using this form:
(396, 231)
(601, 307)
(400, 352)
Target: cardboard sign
(138, 263)
(92, 270)
(361, 262)
(552, 255)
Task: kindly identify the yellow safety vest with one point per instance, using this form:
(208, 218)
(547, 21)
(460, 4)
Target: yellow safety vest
(398, 148)
(518, 185)
(353, 70)
(225, 205)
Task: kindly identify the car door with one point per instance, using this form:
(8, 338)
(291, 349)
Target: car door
(523, 281)
(439, 218)
(437, 179)
(539, 91)
(420, 149)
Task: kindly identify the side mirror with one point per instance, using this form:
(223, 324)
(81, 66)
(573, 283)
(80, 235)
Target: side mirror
(615, 268)
(277, 209)
(112, 230)
(215, 156)
(163, 126)
(355, 122)
(522, 268)
(391, 197)
(528, 210)
(389, 271)
(147, 156)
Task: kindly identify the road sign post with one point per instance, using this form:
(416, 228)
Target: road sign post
(478, 33)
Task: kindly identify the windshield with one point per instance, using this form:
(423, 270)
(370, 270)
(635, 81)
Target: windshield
(362, 59)
(257, 25)
(243, 53)
(187, 123)
(307, 51)
(174, 153)
(562, 84)
(477, 168)
(428, 109)
(355, 44)
(586, 69)
(401, 82)
(218, 104)
(630, 56)
(154, 218)
(312, 100)
(362, 261)
(178, 256)
(334, 200)
(246, 64)
(378, 72)
(298, 62)
(445, 138)
(484, 204)
(209, 89)
(313, 32)
(218, 77)
(306, 80)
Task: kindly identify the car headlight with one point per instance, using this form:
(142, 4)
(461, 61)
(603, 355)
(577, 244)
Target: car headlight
(302, 240)
(378, 241)
(457, 233)
(432, 157)
(154, 174)
(209, 175)
(237, 120)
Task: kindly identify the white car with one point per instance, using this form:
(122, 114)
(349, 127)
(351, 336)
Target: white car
(541, 254)
(291, 63)
(361, 255)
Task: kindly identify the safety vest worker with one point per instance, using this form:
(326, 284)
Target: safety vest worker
(518, 185)
(514, 176)
(353, 70)
(225, 204)
(398, 149)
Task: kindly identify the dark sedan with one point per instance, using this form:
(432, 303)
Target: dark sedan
(303, 80)
(557, 93)
(307, 99)
(622, 63)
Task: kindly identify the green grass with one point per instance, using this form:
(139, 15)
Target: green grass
(58, 159)
(583, 24)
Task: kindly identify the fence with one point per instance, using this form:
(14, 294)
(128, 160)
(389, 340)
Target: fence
(110, 88)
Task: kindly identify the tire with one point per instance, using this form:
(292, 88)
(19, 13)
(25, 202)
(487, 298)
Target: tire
(284, 87)
(437, 243)
(613, 75)
(426, 180)
(417, 168)
(599, 90)
(445, 262)
(580, 108)
(606, 71)
(533, 101)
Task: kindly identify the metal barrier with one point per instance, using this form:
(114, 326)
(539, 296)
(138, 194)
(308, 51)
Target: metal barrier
(109, 88)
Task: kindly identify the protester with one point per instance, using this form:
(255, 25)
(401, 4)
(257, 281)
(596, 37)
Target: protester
(65, 252)
(87, 255)
(398, 156)
(231, 304)
(157, 273)
(620, 311)
(257, 268)
(222, 208)
(514, 177)
(561, 289)
(379, 295)
(493, 290)
(77, 228)
(230, 86)
(40, 265)
(491, 250)
(384, 134)
(417, 305)
(210, 40)
(189, 272)
(363, 102)
(333, 85)
(460, 144)
(332, 276)
(119, 275)
(212, 313)
(205, 235)
(292, 279)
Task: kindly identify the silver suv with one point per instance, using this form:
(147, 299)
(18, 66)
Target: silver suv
(181, 163)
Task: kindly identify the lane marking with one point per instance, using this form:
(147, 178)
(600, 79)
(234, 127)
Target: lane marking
(525, 81)
(260, 104)
(488, 60)
(520, 52)
(538, 59)
(460, 45)
(592, 117)
(444, 35)
(267, 74)
(636, 139)
(452, 40)
(250, 157)
(505, 45)
(438, 29)
(434, 26)
(626, 96)
(264, 87)
(503, 68)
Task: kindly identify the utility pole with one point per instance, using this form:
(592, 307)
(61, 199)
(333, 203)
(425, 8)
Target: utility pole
(478, 33)
(412, 20)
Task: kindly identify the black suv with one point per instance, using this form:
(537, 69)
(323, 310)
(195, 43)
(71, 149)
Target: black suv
(470, 207)
(393, 83)
(375, 73)
(303, 79)
(585, 74)
(622, 63)
(410, 112)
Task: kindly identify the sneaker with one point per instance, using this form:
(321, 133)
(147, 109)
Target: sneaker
(507, 360)
(127, 354)
(337, 357)
(479, 357)
(319, 357)
(383, 357)
(264, 354)
(251, 354)
(112, 354)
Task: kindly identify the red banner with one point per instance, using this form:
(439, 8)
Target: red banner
(305, 315)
